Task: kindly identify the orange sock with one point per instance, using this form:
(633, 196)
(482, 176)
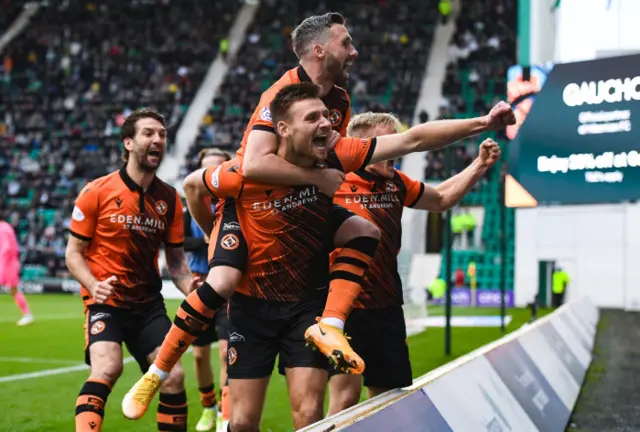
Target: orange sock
(194, 315)
(347, 275)
(225, 403)
(208, 396)
(90, 405)
(172, 412)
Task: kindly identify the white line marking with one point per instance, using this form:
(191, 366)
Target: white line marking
(78, 316)
(63, 370)
(36, 360)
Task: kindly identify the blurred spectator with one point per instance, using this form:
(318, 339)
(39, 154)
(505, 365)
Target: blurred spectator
(66, 85)
(386, 76)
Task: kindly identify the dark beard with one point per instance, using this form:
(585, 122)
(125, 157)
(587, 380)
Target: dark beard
(142, 163)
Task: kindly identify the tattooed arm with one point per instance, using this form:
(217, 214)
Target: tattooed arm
(179, 270)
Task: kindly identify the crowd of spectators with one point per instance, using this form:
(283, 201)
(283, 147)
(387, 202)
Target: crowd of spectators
(68, 82)
(66, 85)
(480, 52)
(393, 39)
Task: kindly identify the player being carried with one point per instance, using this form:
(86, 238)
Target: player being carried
(379, 193)
(290, 231)
(118, 225)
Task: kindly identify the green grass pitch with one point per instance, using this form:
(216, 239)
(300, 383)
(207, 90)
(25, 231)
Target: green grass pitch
(56, 340)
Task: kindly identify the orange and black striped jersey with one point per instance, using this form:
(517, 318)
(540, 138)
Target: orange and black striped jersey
(287, 229)
(125, 227)
(337, 102)
(381, 201)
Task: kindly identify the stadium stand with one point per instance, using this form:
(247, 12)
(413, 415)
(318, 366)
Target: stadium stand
(374, 82)
(68, 82)
(481, 51)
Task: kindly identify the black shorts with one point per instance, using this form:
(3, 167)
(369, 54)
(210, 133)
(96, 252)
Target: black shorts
(218, 330)
(260, 330)
(379, 336)
(141, 328)
(227, 245)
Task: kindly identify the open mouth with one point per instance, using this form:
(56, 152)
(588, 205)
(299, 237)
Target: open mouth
(319, 141)
(154, 153)
(390, 164)
(347, 64)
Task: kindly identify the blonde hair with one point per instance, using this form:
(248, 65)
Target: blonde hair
(361, 123)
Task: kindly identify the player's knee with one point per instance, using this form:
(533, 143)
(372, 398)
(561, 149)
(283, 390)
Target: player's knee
(243, 425)
(175, 382)
(308, 412)
(107, 371)
(347, 399)
(201, 354)
(224, 280)
(367, 229)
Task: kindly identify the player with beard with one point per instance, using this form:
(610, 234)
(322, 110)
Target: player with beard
(325, 49)
(118, 225)
(290, 232)
(380, 193)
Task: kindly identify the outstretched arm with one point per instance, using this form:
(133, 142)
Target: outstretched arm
(437, 134)
(450, 192)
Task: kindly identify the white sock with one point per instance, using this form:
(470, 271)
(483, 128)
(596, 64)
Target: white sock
(334, 322)
(159, 373)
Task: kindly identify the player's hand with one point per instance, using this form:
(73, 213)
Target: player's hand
(329, 180)
(195, 283)
(500, 116)
(489, 152)
(102, 290)
(333, 138)
(206, 239)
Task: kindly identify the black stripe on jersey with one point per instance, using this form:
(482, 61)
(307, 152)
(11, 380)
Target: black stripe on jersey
(175, 245)
(204, 180)
(263, 128)
(79, 236)
(415, 201)
(372, 149)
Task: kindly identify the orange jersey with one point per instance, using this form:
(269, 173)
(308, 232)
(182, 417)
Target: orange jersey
(287, 229)
(125, 228)
(337, 101)
(380, 201)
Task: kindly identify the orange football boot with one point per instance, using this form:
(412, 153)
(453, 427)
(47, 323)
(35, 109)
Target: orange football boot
(332, 342)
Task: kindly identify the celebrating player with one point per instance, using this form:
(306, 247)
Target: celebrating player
(379, 193)
(195, 242)
(325, 49)
(118, 225)
(290, 231)
(10, 269)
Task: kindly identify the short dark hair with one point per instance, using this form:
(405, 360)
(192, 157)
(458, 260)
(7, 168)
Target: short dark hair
(128, 129)
(289, 95)
(212, 152)
(311, 29)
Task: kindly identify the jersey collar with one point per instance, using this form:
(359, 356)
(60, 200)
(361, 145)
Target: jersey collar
(303, 76)
(132, 185)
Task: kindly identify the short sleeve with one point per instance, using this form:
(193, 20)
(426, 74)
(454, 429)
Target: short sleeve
(175, 235)
(84, 217)
(262, 115)
(414, 189)
(354, 153)
(223, 181)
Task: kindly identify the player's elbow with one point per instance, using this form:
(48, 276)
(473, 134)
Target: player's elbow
(251, 168)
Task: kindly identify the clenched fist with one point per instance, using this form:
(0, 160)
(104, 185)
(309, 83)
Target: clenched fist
(500, 116)
(489, 152)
